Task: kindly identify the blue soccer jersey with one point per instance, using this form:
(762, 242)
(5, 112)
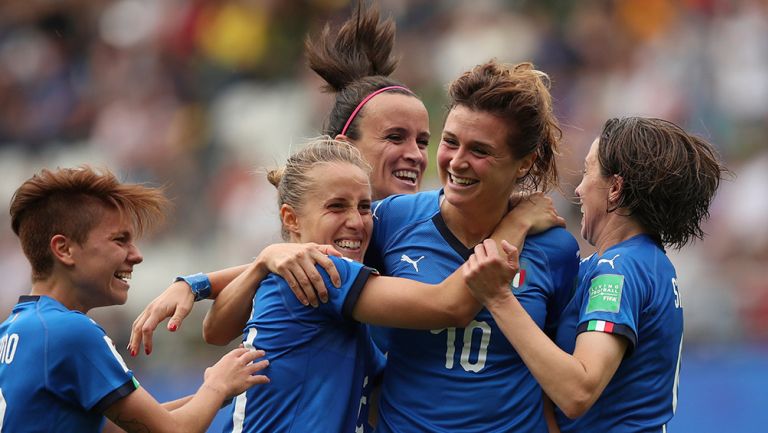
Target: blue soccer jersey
(58, 370)
(322, 362)
(462, 379)
(630, 290)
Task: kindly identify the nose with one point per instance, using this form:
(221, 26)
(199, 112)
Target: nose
(134, 255)
(459, 159)
(577, 191)
(354, 220)
(413, 153)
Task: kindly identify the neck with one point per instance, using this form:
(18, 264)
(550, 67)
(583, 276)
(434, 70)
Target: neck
(618, 229)
(471, 226)
(61, 290)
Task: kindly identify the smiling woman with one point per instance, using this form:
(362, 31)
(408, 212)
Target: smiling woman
(324, 196)
(62, 372)
(380, 116)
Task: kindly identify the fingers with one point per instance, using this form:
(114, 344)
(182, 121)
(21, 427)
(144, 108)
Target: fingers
(509, 249)
(304, 279)
(257, 366)
(329, 250)
(135, 341)
(304, 286)
(294, 286)
(248, 355)
(513, 256)
(181, 313)
(251, 367)
(258, 379)
(147, 330)
(327, 264)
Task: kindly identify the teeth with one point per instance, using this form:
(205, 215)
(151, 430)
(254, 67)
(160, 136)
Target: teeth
(123, 275)
(348, 244)
(406, 174)
(462, 180)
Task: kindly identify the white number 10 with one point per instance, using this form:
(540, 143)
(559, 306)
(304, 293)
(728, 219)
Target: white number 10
(469, 333)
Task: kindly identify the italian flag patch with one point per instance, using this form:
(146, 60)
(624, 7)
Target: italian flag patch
(600, 326)
(519, 280)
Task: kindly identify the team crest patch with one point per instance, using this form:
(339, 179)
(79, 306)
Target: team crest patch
(605, 293)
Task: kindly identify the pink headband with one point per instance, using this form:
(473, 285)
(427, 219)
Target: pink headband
(364, 101)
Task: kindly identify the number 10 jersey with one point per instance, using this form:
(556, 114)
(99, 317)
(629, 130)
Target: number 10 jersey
(462, 379)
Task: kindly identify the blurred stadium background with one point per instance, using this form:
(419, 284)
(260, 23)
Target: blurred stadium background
(200, 95)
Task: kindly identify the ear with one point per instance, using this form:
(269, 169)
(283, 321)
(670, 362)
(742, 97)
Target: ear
(344, 138)
(61, 248)
(616, 188)
(290, 219)
(526, 164)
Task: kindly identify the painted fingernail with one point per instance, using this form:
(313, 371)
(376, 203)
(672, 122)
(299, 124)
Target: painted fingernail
(147, 351)
(133, 353)
(172, 327)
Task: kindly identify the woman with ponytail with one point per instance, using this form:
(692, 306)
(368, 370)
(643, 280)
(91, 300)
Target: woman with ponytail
(385, 120)
(323, 362)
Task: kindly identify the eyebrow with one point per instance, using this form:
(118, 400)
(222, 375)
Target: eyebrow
(401, 130)
(483, 144)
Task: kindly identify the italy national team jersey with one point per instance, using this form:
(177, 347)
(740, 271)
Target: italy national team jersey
(462, 379)
(630, 290)
(58, 370)
(322, 362)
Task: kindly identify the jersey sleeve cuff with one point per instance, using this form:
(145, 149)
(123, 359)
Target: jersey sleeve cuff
(610, 328)
(114, 396)
(354, 292)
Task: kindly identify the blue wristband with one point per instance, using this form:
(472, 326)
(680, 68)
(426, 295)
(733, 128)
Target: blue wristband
(198, 283)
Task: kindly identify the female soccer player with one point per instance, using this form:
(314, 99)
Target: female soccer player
(647, 185)
(59, 372)
(380, 116)
(500, 136)
(325, 197)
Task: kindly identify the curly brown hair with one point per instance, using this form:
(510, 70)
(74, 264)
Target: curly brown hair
(669, 176)
(354, 61)
(71, 202)
(519, 94)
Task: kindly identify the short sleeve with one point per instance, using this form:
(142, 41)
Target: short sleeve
(611, 302)
(84, 367)
(342, 300)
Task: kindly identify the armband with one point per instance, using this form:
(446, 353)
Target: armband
(198, 283)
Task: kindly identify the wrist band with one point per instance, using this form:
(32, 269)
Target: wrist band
(198, 283)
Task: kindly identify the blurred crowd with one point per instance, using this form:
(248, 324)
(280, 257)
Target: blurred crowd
(201, 95)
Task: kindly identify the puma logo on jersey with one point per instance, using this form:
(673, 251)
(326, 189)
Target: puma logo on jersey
(609, 261)
(415, 263)
(373, 214)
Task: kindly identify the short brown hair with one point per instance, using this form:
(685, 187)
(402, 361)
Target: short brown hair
(669, 177)
(70, 202)
(519, 94)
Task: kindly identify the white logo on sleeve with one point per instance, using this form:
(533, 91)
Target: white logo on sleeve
(415, 263)
(610, 262)
(376, 217)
